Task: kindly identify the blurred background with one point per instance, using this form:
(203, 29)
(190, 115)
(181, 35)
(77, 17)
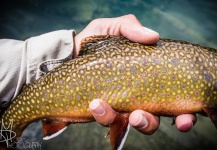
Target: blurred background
(189, 20)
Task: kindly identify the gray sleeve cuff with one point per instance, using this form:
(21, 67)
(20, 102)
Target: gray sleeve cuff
(48, 50)
(24, 61)
(56, 45)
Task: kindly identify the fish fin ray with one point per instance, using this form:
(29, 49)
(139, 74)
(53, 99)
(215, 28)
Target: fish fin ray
(48, 137)
(53, 128)
(212, 113)
(118, 131)
(124, 137)
(107, 134)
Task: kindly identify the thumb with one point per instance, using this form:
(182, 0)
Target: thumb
(102, 112)
(132, 29)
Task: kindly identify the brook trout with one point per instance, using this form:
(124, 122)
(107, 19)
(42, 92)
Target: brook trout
(167, 78)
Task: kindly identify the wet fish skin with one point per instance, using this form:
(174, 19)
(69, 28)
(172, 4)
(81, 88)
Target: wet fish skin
(168, 78)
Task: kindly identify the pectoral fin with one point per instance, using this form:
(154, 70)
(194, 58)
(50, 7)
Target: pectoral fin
(212, 113)
(52, 128)
(118, 131)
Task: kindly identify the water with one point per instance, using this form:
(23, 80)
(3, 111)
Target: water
(190, 20)
(193, 20)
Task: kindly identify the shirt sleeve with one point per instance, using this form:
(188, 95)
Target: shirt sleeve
(23, 62)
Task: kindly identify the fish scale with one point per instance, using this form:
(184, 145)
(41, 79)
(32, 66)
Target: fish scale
(167, 78)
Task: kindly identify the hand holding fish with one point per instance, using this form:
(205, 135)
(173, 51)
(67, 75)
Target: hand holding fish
(127, 26)
(131, 28)
(143, 121)
(131, 82)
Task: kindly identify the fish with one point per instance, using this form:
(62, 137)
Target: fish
(168, 78)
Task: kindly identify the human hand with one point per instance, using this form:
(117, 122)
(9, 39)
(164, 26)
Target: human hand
(142, 121)
(132, 29)
(128, 26)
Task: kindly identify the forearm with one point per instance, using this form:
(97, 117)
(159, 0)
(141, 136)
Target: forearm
(23, 62)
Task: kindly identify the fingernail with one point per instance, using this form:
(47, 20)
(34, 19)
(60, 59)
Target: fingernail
(97, 108)
(140, 121)
(150, 31)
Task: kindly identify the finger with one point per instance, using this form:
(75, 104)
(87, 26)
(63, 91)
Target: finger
(128, 26)
(144, 122)
(131, 28)
(102, 112)
(185, 122)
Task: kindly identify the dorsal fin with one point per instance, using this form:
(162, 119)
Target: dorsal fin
(93, 44)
